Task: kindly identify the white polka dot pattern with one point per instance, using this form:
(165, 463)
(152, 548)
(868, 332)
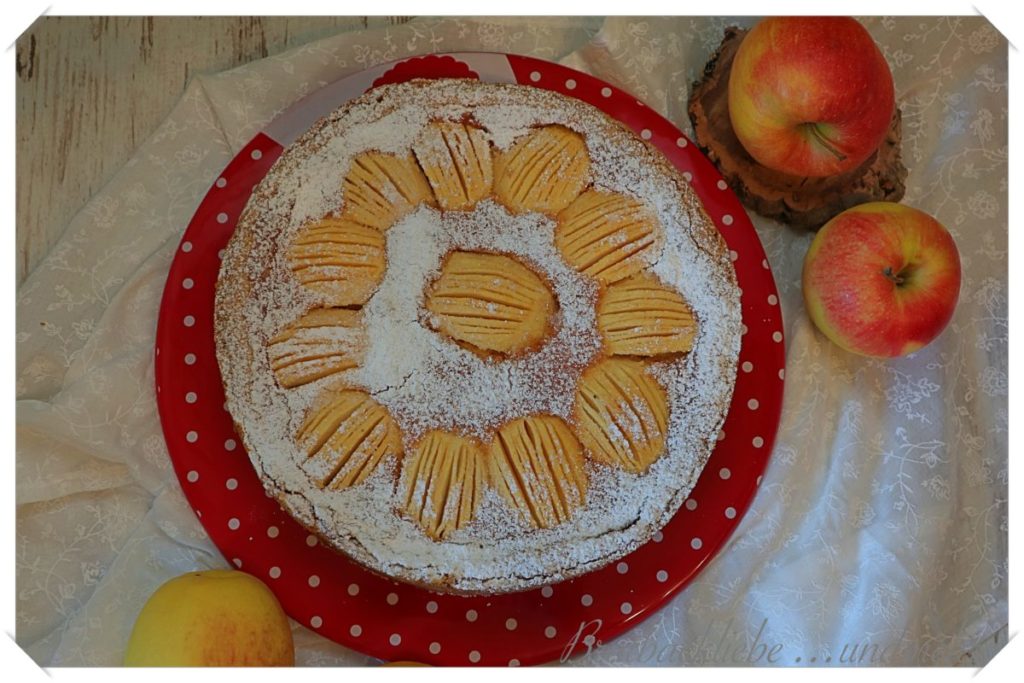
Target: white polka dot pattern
(248, 527)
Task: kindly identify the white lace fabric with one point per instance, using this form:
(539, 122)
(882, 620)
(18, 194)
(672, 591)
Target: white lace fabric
(882, 517)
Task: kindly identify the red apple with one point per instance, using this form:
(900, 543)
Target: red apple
(810, 96)
(881, 279)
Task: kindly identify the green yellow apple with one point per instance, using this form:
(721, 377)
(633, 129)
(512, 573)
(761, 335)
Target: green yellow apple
(218, 617)
(810, 96)
(881, 279)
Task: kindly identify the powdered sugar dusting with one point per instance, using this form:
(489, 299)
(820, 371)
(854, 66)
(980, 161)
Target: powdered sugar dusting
(427, 381)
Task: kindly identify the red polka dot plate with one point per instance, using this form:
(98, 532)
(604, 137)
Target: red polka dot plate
(346, 603)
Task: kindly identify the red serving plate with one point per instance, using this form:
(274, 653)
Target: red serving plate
(348, 604)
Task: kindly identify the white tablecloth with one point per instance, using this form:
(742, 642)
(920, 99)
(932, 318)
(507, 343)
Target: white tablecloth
(882, 519)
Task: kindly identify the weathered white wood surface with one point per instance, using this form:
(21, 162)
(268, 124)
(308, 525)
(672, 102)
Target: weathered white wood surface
(90, 90)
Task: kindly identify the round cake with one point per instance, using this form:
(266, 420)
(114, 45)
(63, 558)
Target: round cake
(477, 337)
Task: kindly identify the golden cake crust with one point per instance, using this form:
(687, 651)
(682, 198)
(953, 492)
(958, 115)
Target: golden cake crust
(580, 501)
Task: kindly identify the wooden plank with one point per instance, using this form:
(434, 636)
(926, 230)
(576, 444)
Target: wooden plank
(91, 89)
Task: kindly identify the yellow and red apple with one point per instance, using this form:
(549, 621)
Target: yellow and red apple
(218, 617)
(881, 279)
(810, 96)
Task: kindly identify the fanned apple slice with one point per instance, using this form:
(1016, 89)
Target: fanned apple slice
(537, 466)
(490, 301)
(543, 171)
(443, 482)
(341, 260)
(345, 438)
(640, 316)
(381, 188)
(456, 158)
(622, 414)
(323, 342)
(607, 235)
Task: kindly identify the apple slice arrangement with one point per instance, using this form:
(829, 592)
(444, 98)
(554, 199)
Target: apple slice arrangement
(811, 101)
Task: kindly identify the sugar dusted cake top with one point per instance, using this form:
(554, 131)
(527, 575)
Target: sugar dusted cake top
(478, 337)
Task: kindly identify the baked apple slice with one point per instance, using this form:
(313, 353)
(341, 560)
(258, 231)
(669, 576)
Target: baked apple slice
(537, 466)
(492, 302)
(640, 316)
(339, 259)
(345, 438)
(323, 342)
(608, 235)
(456, 158)
(543, 171)
(622, 414)
(443, 483)
(381, 188)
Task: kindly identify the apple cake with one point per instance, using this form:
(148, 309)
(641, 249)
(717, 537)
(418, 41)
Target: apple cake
(477, 337)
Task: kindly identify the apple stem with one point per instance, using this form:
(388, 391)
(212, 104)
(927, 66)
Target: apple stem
(896, 278)
(825, 142)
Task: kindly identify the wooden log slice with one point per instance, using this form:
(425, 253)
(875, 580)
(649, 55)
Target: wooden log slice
(799, 201)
